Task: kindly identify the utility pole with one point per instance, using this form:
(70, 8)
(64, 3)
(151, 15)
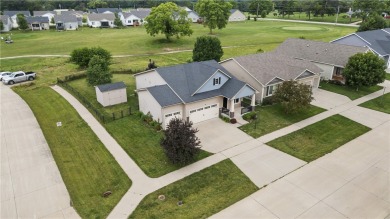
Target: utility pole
(257, 10)
(337, 16)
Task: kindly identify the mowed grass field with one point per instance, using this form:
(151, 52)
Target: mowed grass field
(260, 34)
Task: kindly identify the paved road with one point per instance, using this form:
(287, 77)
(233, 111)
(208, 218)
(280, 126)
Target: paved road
(31, 184)
(310, 22)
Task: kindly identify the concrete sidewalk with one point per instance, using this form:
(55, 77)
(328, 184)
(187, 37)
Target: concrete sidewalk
(31, 184)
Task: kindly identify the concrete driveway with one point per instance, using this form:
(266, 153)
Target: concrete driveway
(31, 184)
(328, 100)
(351, 182)
(216, 135)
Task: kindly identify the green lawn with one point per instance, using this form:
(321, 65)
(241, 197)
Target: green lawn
(381, 103)
(350, 92)
(342, 19)
(203, 194)
(272, 118)
(86, 166)
(320, 138)
(388, 76)
(261, 34)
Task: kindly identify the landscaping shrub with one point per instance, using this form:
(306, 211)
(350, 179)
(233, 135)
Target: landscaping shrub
(255, 18)
(74, 77)
(249, 17)
(98, 71)
(224, 118)
(233, 121)
(82, 56)
(249, 116)
(260, 50)
(268, 101)
(264, 14)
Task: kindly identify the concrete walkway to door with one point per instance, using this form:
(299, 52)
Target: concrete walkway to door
(31, 184)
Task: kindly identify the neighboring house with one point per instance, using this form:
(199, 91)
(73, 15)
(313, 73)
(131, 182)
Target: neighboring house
(236, 15)
(194, 92)
(193, 16)
(48, 14)
(266, 71)
(38, 23)
(111, 94)
(13, 15)
(101, 20)
(79, 15)
(378, 41)
(331, 58)
(144, 9)
(105, 10)
(134, 18)
(187, 9)
(66, 22)
(7, 23)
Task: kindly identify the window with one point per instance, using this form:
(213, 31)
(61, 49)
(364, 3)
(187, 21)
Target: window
(18, 75)
(207, 107)
(214, 105)
(192, 111)
(338, 71)
(237, 100)
(271, 89)
(176, 113)
(93, 23)
(217, 81)
(168, 115)
(200, 109)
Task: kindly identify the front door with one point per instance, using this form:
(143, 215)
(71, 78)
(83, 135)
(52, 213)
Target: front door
(225, 102)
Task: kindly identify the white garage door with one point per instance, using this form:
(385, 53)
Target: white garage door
(169, 116)
(204, 113)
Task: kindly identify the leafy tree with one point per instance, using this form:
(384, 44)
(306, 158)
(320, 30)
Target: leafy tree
(117, 21)
(369, 6)
(293, 96)
(215, 13)
(264, 14)
(82, 56)
(168, 19)
(308, 7)
(97, 4)
(22, 22)
(180, 143)
(98, 71)
(1, 26)
(364, 69)
(52, 20)
(260, 5)
(372, 22)
(207, 48)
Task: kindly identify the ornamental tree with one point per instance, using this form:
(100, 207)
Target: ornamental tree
(207, 48)
(22, 22)
(98, 71)
(373, 22)
(215, 13)
(364, 69)
(168, 19)
(180, 143)
(293, 96)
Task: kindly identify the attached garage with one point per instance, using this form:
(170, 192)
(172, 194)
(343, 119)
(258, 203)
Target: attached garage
(204, 113)
(169, 116)
(111, 94)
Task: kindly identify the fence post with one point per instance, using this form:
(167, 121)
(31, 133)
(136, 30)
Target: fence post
(113, 116)
(122, 113)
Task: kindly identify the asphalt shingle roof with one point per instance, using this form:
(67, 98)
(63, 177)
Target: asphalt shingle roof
(77, 13)
(37, 19)
(99, 17)
(40, 13)
(329, 53)
(185, 79)
(266, 66)
(379, 40)
(112, 86)
(12, 13)
(164, 95)
(65, 18)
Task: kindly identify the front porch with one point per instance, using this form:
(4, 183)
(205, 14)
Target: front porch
(235, 108)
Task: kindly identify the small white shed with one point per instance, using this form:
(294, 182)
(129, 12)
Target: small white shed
(111, 94)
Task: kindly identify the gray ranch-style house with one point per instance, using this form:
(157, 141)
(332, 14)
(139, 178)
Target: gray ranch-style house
(66, 22)
(266, 71)
(13, 16)
(38, 23)
(236, 15)
(378, 41)
(101, 20)
(7, 23)
(134, 18)
(331, 58)
(194, 92)
(78, 14)
(48, 14)
(105, 10)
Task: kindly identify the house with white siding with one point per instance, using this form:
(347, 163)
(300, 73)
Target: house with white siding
(7, 23)
(38, 23)
(13, 16)
(66, 22)
(101, 20)
(134, 18)
(48, 14)
(236, 15)
(193, 92)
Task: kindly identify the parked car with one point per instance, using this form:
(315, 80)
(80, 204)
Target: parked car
(19, 76)
(3, 74)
